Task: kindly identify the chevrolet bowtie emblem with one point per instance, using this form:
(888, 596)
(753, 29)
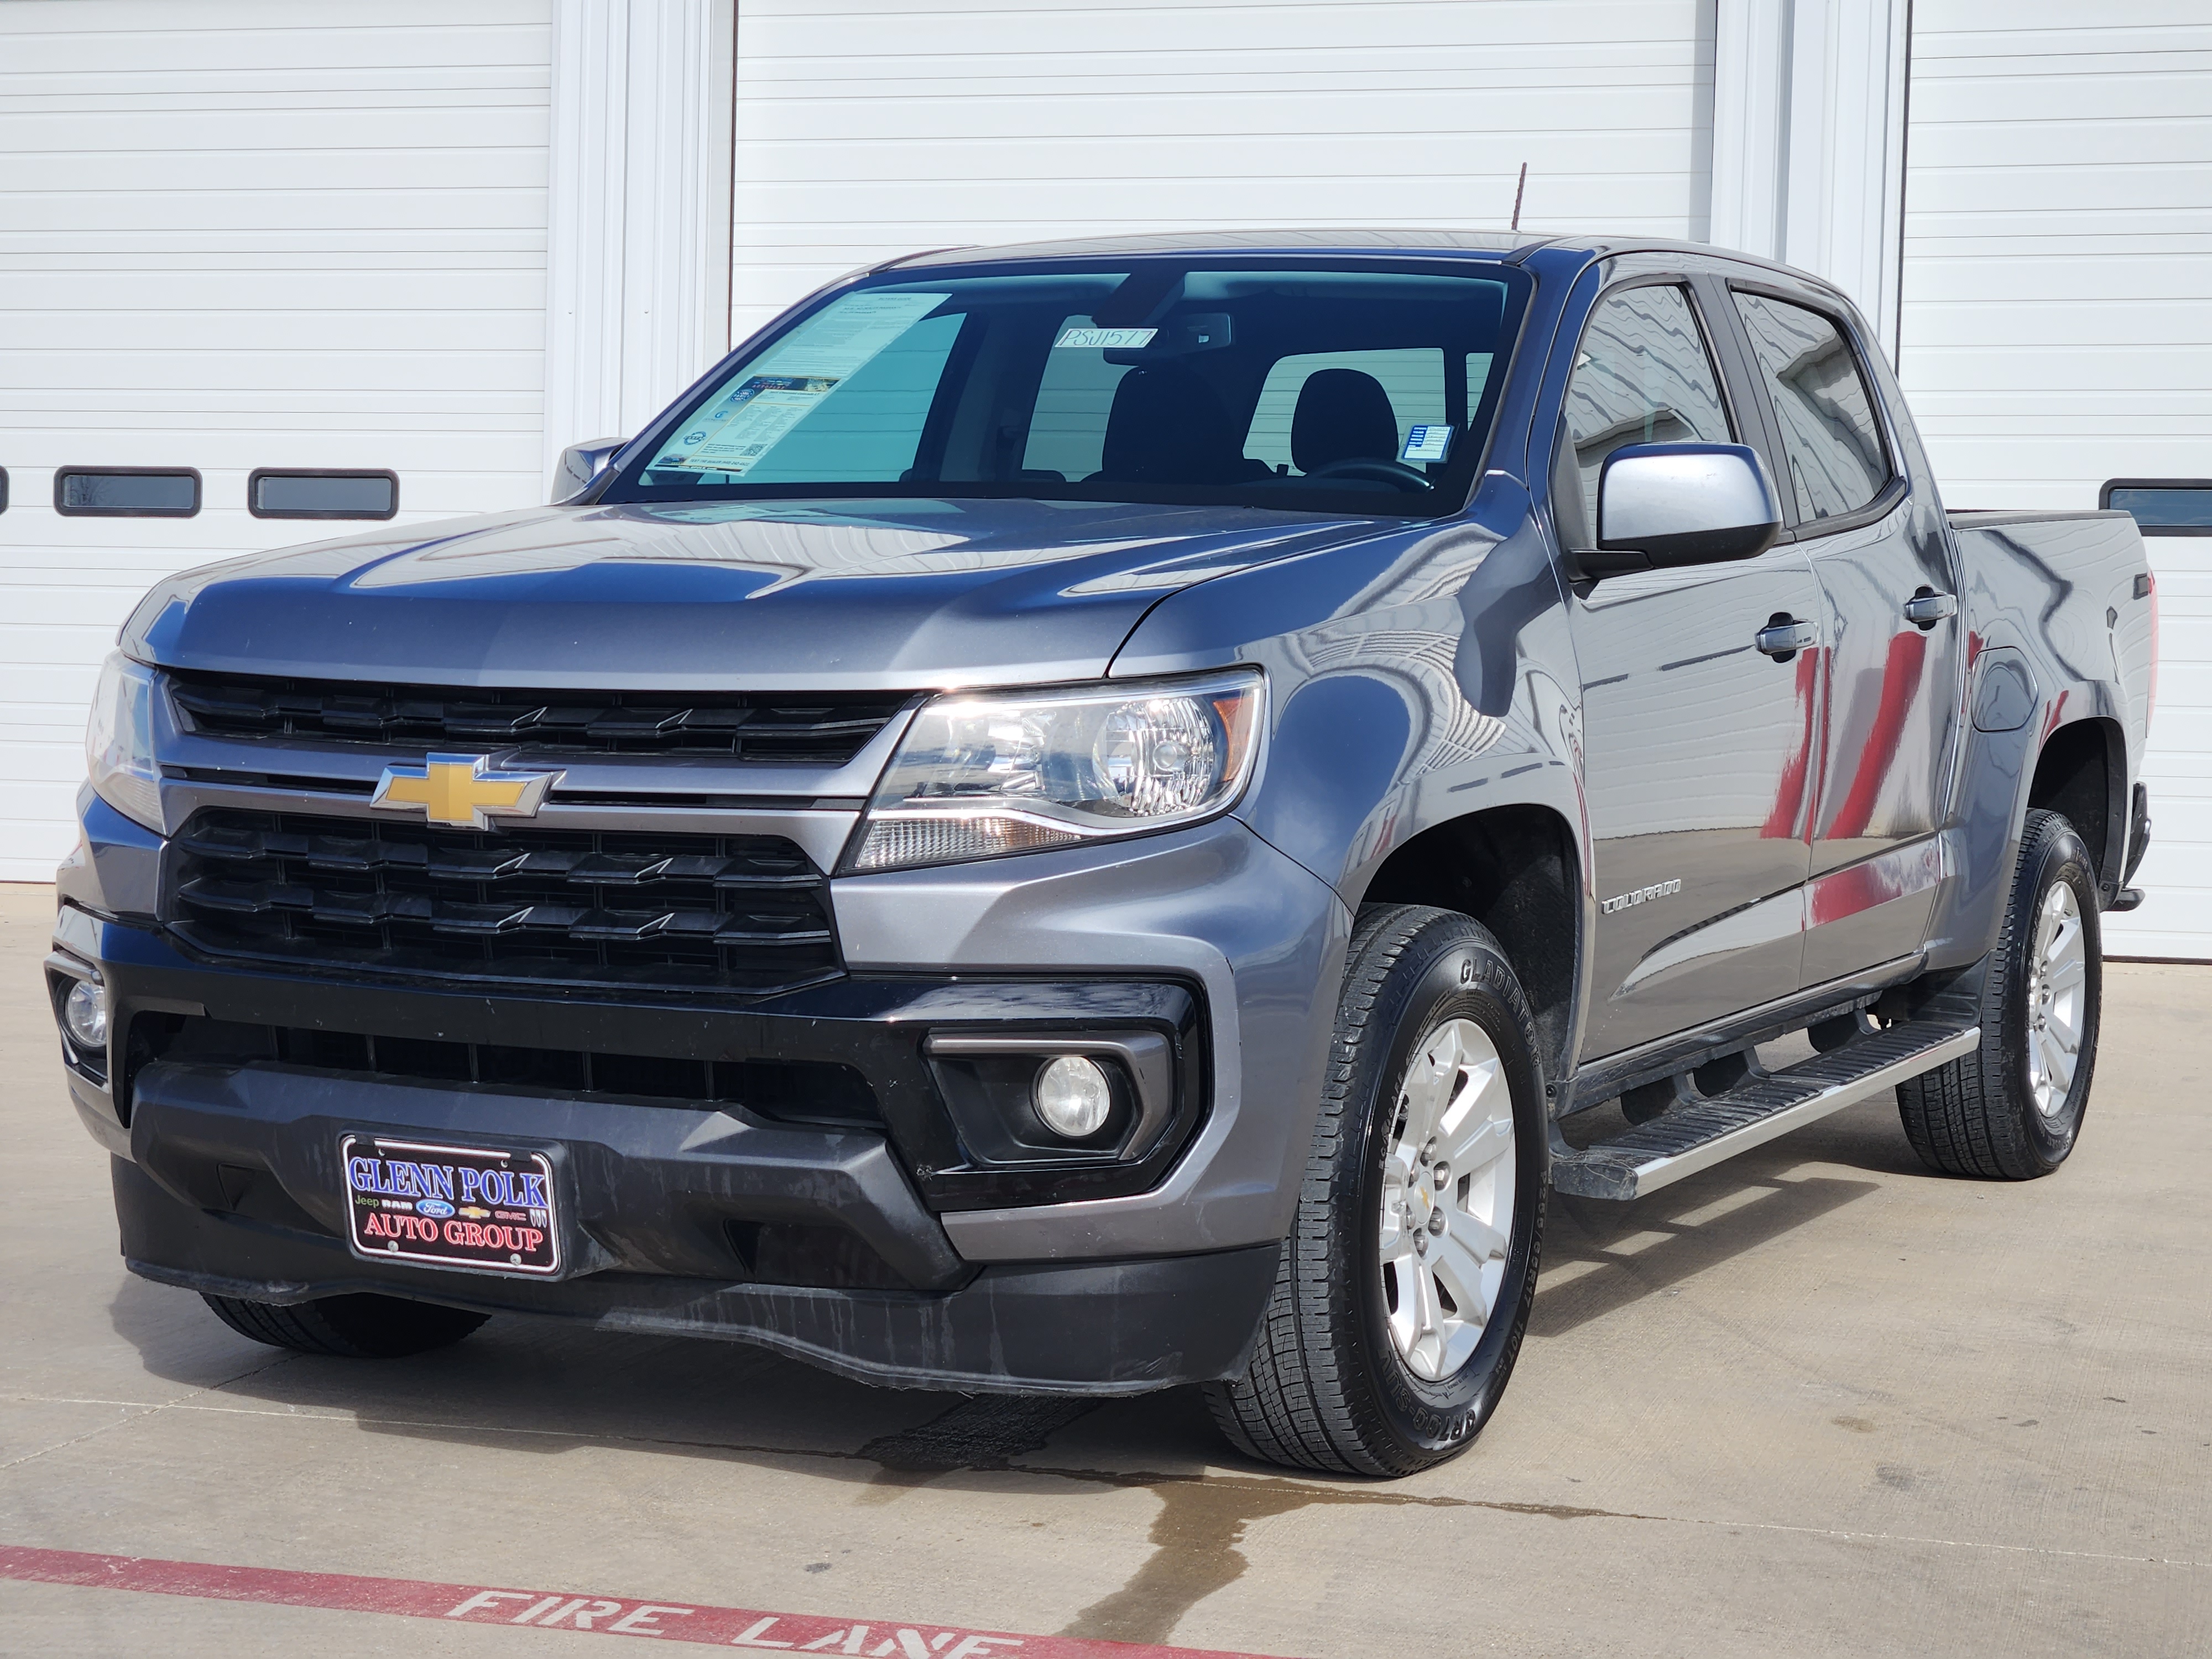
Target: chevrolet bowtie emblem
(464, 789)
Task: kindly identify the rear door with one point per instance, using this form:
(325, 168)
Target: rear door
(1890, 635)
(1696, 743)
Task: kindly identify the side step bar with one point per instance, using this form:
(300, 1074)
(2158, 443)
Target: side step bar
(1695, 1136)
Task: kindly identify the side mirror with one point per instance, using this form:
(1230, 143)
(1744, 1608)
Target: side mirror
(580, 467)
(1663, 504)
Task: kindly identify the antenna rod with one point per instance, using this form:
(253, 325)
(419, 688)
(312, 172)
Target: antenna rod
(1518, 191)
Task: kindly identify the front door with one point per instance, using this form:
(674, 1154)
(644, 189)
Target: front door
(1893, 674)
(1697, 746)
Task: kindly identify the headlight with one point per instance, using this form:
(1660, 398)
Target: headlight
(977, 776)
(118, 742)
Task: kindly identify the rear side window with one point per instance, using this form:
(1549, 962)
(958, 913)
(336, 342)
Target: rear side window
(1641, 376)
(1830, 436)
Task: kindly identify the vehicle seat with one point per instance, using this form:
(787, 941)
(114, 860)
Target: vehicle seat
(1342, 415)
(1167, 426)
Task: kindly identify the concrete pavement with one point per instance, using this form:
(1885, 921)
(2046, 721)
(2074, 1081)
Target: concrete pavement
(1816, 1400)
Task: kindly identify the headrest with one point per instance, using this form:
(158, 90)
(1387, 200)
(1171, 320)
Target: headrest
(1168, 427)
(1342, 414)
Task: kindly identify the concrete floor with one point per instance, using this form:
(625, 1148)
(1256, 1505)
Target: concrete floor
(1814, 1402)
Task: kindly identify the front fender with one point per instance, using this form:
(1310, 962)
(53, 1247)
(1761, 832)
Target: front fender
(1415, 679)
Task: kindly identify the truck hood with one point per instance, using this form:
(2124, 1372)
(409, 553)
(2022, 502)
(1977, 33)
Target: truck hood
(813, 595)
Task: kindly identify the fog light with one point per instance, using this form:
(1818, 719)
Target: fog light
(84, 1012)
(1073, 1097)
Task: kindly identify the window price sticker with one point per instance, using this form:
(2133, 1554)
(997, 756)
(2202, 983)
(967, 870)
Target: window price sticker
(1427, 443)
(746, 421)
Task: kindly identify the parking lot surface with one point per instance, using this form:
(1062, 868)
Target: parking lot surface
(1816, 1400)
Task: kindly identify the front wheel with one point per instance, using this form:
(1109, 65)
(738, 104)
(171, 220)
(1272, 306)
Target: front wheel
(1406, 1281)
(2012, 1107)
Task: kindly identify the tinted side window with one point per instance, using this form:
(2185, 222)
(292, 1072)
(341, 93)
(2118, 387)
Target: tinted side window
(1641, 376)
(1829, 433)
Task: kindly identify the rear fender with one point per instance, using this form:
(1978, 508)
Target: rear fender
(1997, 785)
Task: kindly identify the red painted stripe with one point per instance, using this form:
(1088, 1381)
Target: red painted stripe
(602, 1615)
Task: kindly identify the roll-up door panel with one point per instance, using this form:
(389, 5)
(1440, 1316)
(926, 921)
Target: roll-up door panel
(238, 234)
(2058, 325)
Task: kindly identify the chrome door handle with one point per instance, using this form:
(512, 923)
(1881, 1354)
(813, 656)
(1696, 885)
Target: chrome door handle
(1928, 607)
(1784, 638)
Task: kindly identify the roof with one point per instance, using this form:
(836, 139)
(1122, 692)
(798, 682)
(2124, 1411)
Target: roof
(1508, 246)
(1493, 242)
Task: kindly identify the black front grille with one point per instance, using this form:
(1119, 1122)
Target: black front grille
(747, 914)
(797, 1091)
(823, 729)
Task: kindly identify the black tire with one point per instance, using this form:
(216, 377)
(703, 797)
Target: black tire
(1326, 1389)
(1977, 1115)
(360, 1327)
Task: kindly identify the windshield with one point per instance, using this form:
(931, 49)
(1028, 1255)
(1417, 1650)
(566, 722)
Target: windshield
(1360, 389)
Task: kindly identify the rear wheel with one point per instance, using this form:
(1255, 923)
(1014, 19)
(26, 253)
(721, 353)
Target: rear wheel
(1406, 1281)
(2013, 1109)
(360, 1327)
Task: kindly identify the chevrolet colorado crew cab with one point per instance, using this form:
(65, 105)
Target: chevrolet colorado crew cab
(1110, 814)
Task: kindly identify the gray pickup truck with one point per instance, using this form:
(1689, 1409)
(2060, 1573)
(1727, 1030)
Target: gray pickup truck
(1105, 815)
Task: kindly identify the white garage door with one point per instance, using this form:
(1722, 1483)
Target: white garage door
(238, 234)
(2057, 324)
(869, 128)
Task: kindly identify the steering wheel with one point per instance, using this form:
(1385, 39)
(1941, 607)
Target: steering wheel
(1375, 470)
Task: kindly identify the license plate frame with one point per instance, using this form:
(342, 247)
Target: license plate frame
(456, 1207)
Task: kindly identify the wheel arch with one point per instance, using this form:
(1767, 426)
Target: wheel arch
(1516, 870)
(2081, 774)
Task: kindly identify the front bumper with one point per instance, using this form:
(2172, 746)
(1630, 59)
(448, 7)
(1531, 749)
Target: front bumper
(226, 1177)
(1096, 1328)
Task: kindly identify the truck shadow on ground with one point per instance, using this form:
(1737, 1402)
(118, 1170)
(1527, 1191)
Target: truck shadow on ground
(539, 1387)
(1600, 1258)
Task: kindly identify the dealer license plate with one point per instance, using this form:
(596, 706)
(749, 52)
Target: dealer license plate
(439, 1205)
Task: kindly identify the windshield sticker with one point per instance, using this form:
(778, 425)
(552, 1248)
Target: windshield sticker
(749, 419)
(1427, 443)
(839, 340)
(1109, 339)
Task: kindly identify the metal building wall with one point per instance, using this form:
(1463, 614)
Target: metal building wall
(238, 233)
(867, 128)
(2058, 324)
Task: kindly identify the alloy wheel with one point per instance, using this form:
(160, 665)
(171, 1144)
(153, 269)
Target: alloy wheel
(1448, 1173)
(2058, 992)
